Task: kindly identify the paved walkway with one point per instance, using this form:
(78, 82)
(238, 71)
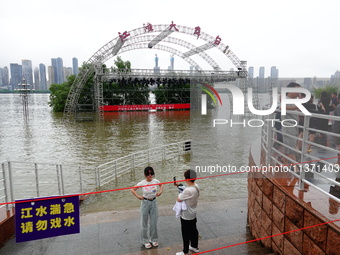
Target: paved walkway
(117, 232)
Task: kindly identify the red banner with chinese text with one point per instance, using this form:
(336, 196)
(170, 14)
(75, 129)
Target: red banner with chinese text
(144, 107)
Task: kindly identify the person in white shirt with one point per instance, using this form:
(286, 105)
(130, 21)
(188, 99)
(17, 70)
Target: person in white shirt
(188, 217)
(149, 209)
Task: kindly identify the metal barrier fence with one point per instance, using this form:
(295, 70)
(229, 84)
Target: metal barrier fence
(25, 180)
(317, 164)
(110, 171)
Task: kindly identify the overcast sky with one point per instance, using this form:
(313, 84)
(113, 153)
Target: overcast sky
(299, 37)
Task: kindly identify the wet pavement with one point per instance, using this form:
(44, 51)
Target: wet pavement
(220, 224)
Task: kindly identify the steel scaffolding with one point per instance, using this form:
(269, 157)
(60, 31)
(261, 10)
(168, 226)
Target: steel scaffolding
(24, 89)
(141, 38)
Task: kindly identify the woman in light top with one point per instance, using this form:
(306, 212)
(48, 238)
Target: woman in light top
(148, 207)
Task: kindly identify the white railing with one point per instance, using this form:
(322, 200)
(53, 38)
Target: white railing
(25, 180)
(110, 171)
(3, 185)
(321, 165)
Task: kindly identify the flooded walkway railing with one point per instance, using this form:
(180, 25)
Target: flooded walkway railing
(25, 180)
(316, 162)
(110, 171)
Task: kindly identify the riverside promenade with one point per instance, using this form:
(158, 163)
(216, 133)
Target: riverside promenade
(220, 224)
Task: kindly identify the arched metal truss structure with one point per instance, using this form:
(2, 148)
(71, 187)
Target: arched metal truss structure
(133, 42)
(141, 38)
(162, 48)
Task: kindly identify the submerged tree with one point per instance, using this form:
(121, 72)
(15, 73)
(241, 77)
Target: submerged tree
(59, 92)
(125, 91)
(172, 91)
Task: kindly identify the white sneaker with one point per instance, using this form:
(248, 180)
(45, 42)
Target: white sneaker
(194, 249)
(180, 253)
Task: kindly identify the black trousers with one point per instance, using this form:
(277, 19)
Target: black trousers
(189, 234)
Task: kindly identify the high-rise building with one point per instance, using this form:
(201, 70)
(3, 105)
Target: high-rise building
(156, 69)
(43, 81)
(172, 63)
(58, 70)
(307, 81)
(335, 78)
(261, 72)
(16, 75)
(27, 71)
(274, 72)
(251, 72)
(36, 79)
(5, 76)
(75, 66)
(50, 76)
(274, 77)
(67, 72)
(261, 84)
(1, 76)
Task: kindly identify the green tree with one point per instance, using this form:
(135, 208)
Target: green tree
(125, 91)
(59, 93)
(329, 89)
(122, 65)
(173, 92)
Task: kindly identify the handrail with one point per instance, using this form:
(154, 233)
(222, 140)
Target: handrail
(110, 171)
(269, 138)
(25, 180)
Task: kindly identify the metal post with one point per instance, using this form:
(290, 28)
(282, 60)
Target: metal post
(148, 157)
(37, 179)
(163, 153)
(133, 164)
(99, 178)
(116, 177)
(303, 152)
(81, 181)
(58, 179)
(10, 181)
(5, 185)
(62, 179)
(178, 152)
(96, 177)
(269, 141)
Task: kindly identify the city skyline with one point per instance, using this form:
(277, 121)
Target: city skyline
(58, 73)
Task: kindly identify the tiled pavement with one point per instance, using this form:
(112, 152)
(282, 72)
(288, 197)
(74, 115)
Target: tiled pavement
(117, 232)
